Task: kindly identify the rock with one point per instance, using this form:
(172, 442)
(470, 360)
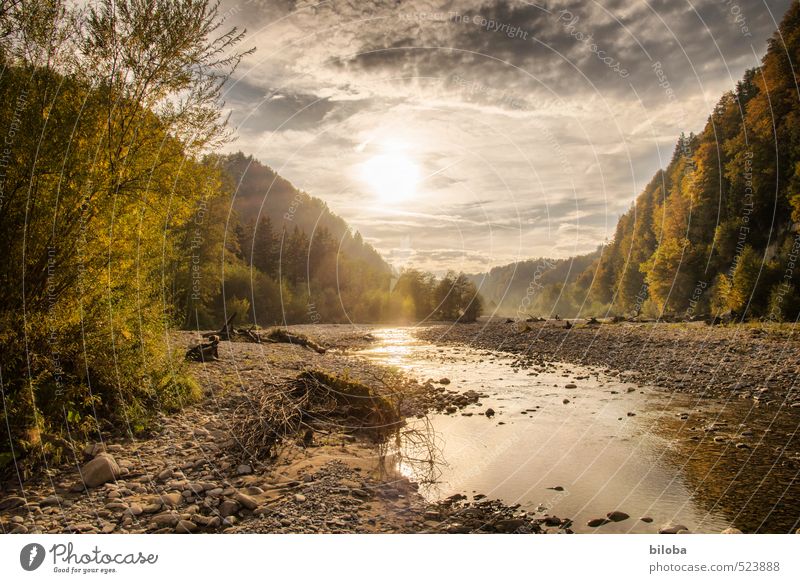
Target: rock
(166, 519)
(595, 522)
(51, 501)
(172, 499)
(228, 508)
(19, 529)
(731, 530)
(552, 521)
(134, 510)
(11, 502)
(100, 470)
(509, 525)
(165, 475)
(671, 529)
(570, 386)
(489, 412)
(244, 469)
(646, 519)
(565, 401)
(185, 527)
(92, 450)
(444, 381)
(299, 498)
(557, 488)
(247, 501)
(152, 508)
(617, 516)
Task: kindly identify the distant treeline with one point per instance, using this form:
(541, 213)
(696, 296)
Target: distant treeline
(716, 232)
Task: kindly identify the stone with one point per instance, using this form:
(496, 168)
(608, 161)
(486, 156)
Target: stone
(228, 508)
(489, 412)
(299, 498)
(617, 516)
(172, 499)
(134, 510)
(244, 469)
(247, 501)
(152, 508)
(91, 450)
(165, 475)
(509, 525)
(570, 386)
(444, 381)
(165, 519)
(731, 530)
(595, 522)
(11, 502)
(100, 470)
(672, 529)
(185, 527)
(646, 519)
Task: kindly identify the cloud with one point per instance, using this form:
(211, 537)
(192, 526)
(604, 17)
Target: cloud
(535, 141)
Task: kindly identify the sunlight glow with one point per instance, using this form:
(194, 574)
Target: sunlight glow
(393, 177)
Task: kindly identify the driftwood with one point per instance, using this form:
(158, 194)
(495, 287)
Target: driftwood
(225, 332)
(281, 335)
(228, 332)
(204, 352)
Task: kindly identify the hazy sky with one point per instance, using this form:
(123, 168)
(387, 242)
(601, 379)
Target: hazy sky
(530, 127)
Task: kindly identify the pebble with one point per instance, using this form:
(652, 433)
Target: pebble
(617, 516)
(185, 527)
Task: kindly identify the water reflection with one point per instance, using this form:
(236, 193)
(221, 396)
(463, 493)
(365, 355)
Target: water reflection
(595, 447)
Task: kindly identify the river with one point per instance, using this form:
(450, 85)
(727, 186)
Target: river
(602, 446)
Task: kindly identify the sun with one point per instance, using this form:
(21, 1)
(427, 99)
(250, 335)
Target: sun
(393, 177)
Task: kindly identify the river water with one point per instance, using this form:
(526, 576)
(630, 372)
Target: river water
(614, 445)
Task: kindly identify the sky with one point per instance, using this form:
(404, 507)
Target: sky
(473, 133)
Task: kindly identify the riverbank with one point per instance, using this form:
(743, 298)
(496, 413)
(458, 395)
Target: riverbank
(192, 476)
(759, 363)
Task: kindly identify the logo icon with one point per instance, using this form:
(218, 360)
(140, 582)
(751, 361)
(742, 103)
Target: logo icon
(31, 556)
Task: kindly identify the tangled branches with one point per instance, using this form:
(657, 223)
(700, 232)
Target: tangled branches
(314, 401)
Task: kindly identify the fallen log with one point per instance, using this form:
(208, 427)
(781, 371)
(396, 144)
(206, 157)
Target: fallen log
(281, 335)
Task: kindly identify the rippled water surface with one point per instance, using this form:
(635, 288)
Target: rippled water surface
(703, 463)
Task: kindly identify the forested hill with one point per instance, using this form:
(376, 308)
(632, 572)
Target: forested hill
(261, 193)
(270, 253)
(532, 287)
(716, 231)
